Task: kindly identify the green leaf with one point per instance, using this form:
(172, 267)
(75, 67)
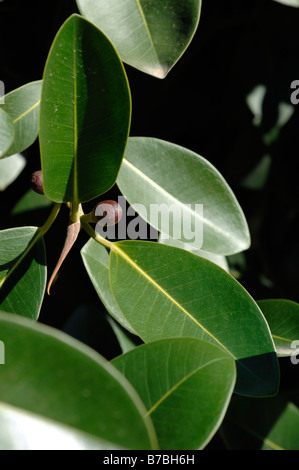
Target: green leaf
(31, 201)
(283, 318)
(291, 3)
(22, 105)
(164, 292)
(85, 113)
(20, 430)
(10, 168)
(96, 262)
(125, 342)
(22, 266)
(284, 434)
(149, 35)
(217, 259)
(267, 424)
(257, 178)
(186, 385)
(7, 133)
(164, 182)
(56, 377)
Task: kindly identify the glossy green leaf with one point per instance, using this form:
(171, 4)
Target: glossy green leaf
(10, 168)
(283, 318)
(7, 133)
(150, 35)
(261, 424)
(85, 113)
(22, 105)
(96, 262)
(164, 292)
(22, 266)
(20, 430)
(217, 259)
(52, 375)
(182, 195)
(186, 385)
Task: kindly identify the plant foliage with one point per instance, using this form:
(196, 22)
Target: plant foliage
(197, 356)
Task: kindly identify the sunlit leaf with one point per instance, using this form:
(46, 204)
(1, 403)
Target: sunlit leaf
(283, 318)
(20, 430)
(10, 168)
(168, 292)
(150, 35)
(7, 133)
(182, 195)
(96, 262)
(54, 376)
(217, 259)
(291, 3)
(22, 105)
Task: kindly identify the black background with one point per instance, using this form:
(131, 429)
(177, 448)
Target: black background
(200, 105)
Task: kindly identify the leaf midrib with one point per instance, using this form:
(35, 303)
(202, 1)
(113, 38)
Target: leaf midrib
(29, 110)
(160, 189)
(117, 250)
(36, 236)
(281, 338)
(75, 121)
(147, 28)
(179, 383)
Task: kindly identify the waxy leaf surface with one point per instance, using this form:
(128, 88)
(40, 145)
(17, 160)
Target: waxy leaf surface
(168, 292)
(96, 262)
(23, 271)
(150, 35)
(85, 113)
(282, 316)
(22, 105)
(291, 3)
(21, 430)
(56, 377)
(186, 385)
(10, 168)
(181, 194)
(7, 133)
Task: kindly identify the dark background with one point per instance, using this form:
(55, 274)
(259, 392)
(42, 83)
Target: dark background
(200, 105)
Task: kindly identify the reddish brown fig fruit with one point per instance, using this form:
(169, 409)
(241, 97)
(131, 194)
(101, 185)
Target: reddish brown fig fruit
(107, 213)
(37, 182)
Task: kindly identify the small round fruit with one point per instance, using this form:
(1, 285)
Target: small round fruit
(37, 182)
(107, 213)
